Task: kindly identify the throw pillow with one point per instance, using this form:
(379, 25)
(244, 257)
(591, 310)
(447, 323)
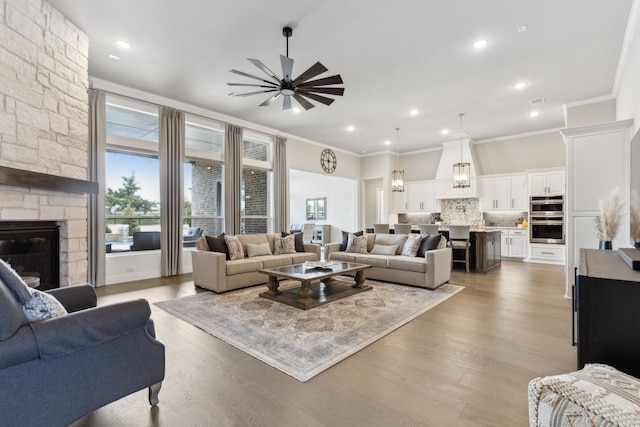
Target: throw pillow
(429, 243)
(298, 240)
(14, 282)
(235, 247)
(357, 244)
(285, 245)
(392, 239)
(345, 239)
(384, 249)
(258, 249)
(42, 306)
(411, 245)
(218, 244)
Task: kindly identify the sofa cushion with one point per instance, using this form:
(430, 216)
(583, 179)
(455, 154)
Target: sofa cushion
(245, 265)
(392, 239)
(374, 260)
(411, 245)
(14, 282)
(255, 239)
(345, 239)
(298, 241)
(273, 261)
(357, 244)
(300, 257)
(11, 315)
(429, 243)
(218, 244)
(254, 250)
(342, 256)
(406, 263)
(42, 306)
(236, 250)
(284, 245)
(384, 249)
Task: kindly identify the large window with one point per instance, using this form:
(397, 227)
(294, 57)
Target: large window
(257, 185)
(132, 199)
(203, 175)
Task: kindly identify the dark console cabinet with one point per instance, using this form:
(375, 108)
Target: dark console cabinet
(607, 311)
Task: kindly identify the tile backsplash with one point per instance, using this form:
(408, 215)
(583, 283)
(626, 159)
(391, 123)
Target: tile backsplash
(460, 211)
(503, 219)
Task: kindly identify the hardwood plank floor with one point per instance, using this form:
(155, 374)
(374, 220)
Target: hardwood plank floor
(467, 362)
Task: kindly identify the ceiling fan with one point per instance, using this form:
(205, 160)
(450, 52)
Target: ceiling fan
(299, 88)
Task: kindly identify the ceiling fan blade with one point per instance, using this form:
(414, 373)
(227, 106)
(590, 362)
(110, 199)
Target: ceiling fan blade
(270, 100)
(286, 102)
(265, 69)
(251, 77)
(313, 71)
(339, 91)
(287, 68)
(333, 80)
(250, 85)
(323, 99)
(256, 93)
(305, 104)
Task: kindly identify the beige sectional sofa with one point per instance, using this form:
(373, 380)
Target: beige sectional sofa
(212, 270)
(428, 271)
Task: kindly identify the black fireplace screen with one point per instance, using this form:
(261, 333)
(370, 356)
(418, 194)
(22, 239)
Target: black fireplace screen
(33, 250)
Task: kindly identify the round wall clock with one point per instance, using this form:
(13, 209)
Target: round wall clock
(328, 161)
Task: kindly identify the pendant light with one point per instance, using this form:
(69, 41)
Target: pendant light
(462, 170)
(397, 176)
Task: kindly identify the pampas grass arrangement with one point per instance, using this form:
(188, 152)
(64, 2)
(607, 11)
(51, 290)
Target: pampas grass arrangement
(610, 218)
(634, 217)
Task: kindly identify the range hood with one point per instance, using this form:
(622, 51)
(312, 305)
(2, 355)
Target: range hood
(451, 153)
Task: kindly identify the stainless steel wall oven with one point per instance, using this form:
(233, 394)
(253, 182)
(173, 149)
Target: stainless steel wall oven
(546, 219)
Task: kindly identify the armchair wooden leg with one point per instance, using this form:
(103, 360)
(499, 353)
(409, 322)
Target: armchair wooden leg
(154, 389)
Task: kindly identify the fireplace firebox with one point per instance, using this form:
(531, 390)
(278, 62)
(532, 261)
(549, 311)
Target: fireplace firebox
(33, 250)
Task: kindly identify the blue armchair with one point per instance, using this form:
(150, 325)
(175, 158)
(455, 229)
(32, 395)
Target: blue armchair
(192, 235)
(57, 370)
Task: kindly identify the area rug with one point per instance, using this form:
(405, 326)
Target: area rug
(303, 343)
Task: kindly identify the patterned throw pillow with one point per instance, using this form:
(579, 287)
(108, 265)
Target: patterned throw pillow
(284, 245)
(357, 244)
(298, 239)
(412, 245)
(42, 306)
(235, 247)
(14, 282)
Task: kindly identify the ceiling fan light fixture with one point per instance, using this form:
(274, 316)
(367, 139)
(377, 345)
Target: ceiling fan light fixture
(301, 88)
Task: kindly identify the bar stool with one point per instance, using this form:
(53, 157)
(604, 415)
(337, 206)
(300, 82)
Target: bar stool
(429, 229)
(459, 241)
(402, 228)
(381, 228)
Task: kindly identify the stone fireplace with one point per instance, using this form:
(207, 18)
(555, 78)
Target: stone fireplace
(43, 126)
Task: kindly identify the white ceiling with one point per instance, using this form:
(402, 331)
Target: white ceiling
(392, 56)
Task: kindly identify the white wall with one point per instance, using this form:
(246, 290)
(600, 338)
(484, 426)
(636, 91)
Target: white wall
(341, 194)
(139, 265)
(627, 92)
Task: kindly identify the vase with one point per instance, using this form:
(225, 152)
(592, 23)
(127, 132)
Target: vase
(605, 244)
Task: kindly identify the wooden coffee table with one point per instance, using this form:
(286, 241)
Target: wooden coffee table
(318, 284)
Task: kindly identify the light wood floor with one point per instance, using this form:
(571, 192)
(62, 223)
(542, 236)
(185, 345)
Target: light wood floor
(466, 362)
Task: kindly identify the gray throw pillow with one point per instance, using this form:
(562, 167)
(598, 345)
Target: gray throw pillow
(429, 243)
(14, 282)
(217, 244)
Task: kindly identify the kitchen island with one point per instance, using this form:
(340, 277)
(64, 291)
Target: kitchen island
(484, 253)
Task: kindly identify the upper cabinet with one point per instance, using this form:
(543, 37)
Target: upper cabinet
(505, 192)
(546, 182)
(444, 189)
(420, 196)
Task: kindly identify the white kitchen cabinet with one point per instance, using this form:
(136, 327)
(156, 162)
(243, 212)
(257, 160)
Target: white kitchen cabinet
(505, 192)
(400, 201)
(546, 182)
(421, 196)
(514, 243)
(546, 253)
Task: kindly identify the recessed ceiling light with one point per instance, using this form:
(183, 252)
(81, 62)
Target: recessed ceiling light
(123, 44)
(387, 142)
(414, 112)
(351, 128)
(522, 28)
(533, 114)
(115, 58)
(444, 131)
(521, 85)
(480, 44)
